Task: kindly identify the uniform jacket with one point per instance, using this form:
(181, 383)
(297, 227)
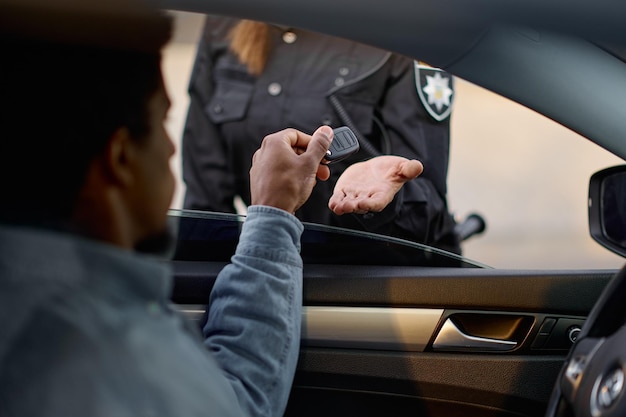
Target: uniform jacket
(231, 111)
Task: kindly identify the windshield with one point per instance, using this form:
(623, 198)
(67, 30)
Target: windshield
(205, 236)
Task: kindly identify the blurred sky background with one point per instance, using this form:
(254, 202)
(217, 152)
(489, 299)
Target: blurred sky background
(527, 175)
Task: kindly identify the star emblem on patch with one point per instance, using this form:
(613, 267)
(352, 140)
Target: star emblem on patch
(435, 89)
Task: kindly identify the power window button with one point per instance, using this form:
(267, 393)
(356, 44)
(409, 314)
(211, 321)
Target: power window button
(564, 334)
(544, 332)
(547, 325)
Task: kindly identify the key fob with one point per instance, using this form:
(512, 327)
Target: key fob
(343, 145)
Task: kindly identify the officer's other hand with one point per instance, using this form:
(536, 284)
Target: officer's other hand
(285, 168)
(371, 185)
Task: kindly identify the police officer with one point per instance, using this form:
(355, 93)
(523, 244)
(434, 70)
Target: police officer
(250, 79)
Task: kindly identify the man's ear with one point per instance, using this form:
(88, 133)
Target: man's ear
(119, 157)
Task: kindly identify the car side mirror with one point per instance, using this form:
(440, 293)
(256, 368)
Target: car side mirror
(607, 208)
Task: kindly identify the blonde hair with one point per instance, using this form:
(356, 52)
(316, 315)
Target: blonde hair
(250, 41)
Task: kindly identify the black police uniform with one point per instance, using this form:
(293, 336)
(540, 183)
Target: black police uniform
(231, 111)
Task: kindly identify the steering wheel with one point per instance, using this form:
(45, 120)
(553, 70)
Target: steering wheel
(593, 380)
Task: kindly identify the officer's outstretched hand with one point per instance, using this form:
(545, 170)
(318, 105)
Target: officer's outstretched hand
(372, 184)
(285, 168)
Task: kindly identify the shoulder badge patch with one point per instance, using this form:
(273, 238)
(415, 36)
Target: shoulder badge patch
(435, 90)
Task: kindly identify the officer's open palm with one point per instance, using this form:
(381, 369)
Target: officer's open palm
(372, 184)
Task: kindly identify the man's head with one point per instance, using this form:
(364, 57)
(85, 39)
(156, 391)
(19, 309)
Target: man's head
(82, 111)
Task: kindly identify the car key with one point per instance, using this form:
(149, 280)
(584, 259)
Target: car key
(343, 145)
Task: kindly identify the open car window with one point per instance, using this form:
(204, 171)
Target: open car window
(526, 174)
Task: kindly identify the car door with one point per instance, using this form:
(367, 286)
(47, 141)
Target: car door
(436, 342)
(396, 328)
(401, 330)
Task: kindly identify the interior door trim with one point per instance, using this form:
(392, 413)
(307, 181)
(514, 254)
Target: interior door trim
(399, 329)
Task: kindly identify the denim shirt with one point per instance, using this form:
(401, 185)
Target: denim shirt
(88, 329)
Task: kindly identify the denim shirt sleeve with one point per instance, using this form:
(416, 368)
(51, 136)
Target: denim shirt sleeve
(253, 328)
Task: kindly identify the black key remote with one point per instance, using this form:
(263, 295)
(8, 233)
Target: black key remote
(343, 145)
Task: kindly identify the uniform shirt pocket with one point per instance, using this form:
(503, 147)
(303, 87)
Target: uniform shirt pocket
(232, 95)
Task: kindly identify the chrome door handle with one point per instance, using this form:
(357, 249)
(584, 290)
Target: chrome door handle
(451, 338)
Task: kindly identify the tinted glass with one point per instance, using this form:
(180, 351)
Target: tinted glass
(206, 236)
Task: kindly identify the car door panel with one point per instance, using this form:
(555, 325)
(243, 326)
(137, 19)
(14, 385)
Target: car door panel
(369, 339)
(420, 384)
